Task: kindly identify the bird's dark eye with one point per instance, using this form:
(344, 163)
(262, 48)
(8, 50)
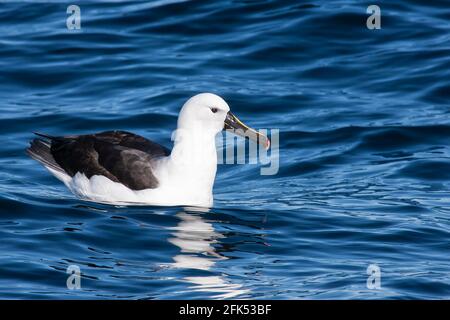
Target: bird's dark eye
(214, 110)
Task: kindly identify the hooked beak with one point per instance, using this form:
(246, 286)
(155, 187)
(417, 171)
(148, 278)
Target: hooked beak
(238, 127)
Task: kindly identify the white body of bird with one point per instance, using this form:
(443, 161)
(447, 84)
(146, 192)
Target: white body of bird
(186, 176)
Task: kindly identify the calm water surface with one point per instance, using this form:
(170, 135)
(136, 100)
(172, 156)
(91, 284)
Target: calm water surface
(364, 122)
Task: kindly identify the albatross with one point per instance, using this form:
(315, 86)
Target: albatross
(122, 168)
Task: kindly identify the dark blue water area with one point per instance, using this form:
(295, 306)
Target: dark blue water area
(364, 169)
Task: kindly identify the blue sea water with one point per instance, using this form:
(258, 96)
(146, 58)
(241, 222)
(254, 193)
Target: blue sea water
(364, 173)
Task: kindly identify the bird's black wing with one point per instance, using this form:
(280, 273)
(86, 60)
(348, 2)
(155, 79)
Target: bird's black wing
(118, 155)
(133, 141)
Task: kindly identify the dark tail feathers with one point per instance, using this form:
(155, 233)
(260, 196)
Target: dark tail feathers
(40, 151)
(46, 136)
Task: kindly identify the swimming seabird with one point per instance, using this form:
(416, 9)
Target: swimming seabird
(120, 167)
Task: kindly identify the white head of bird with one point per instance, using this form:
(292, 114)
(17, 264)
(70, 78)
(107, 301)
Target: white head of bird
(205, 112)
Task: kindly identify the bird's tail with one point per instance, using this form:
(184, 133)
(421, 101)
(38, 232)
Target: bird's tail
(45, 136)
(40, 150)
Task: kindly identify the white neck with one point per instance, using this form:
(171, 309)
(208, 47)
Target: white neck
(192, 165)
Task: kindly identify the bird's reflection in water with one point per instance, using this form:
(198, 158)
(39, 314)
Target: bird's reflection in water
(196, 238)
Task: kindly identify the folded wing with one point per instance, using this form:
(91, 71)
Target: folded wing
(118, 155)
